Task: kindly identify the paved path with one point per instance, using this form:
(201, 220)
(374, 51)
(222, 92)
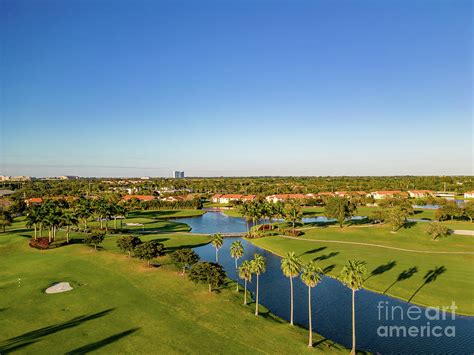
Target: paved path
(463, 232)
(379, 246)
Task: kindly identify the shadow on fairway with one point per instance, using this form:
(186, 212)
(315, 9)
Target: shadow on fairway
(329, 268)
(379, 270)
(326, 256)
(99, 344)
(404, 275)
(313, 251)
(169, 250)
(430, 277)
(32, 337)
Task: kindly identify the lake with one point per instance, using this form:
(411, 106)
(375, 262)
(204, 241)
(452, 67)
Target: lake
(377, 329)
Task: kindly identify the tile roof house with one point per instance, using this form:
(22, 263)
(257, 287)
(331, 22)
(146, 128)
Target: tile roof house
(380, 195)
(138, 197)
(469, 194)
(420, 193)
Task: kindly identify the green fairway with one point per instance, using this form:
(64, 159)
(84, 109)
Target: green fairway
(331, 248)
(120, 306)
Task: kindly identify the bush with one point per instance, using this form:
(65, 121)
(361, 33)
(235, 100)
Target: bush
(265, 227)
(94, 239)
(292, 232)
(40, 243)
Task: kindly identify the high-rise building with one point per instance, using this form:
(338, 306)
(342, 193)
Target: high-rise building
(178, 174)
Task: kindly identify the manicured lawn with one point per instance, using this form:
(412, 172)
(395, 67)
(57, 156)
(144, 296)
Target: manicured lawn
(455, 283)
(120, 306)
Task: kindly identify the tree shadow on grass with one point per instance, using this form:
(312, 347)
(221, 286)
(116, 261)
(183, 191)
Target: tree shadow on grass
(326, 256)
(404, 275)
(313, 251)
(32, 337)
(169, 250)
(101, 343)
(379, 270)
(329, 268)
(431, 276)
(409, 224)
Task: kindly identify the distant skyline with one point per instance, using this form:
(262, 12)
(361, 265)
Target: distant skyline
(236, 88)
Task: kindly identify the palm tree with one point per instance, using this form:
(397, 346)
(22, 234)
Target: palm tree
(291, 267)
(352, 275)
(84, 211)
(258, 267)
(33, 218)
(311, 276)
(217, 242)
(245, 273)
(293, 213)
(236, 251)
(68, 219)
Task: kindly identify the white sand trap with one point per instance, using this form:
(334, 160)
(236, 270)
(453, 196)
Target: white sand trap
(59, 287)
(134, 224)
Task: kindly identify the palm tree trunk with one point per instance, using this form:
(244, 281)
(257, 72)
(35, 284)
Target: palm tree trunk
(256, 300)
(310, 325)
(291, 301)
(235, 263)
(353, 324)
(41, 230)
(245, 292)
(210, 288)
(67, 234)
(115, 222)
(217, 256)
(35, 231)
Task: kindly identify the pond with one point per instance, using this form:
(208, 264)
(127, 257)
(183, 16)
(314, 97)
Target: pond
(332, 301)
(217, 222)
(331, 304)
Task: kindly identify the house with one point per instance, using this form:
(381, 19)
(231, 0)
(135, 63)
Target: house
(469, 194)
(326, 194)
(247, 198)
(380, 195)
(351, 193)
(420, 193)
(141, 198)
(285, 197)
(445, 194)
(230, 197)
(175, 198)
(215, 198)
(34, 201)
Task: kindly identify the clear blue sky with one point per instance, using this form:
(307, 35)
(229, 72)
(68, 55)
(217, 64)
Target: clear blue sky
(244, 87)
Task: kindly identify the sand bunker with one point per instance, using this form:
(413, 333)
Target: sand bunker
(59, 287)
(134, 224)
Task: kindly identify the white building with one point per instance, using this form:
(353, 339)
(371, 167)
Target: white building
(469, 194)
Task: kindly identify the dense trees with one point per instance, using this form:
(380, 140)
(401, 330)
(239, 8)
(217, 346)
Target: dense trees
(339, 208)
(352, 275)
(211, 274)
(184, 258)
(293, 213)
(291, 267)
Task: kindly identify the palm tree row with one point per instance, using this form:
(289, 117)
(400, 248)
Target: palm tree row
(54, 214)
(260, 209)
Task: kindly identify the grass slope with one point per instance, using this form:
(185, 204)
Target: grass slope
(120, 306)
(385, 266)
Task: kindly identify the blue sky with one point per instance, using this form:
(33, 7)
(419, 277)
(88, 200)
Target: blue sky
(132, 88)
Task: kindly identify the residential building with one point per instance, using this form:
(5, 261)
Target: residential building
(351, 193)
(178, 174)
(139, 197)
(420, 193)
(6, 192)
(469, 194)
(286, 197)
(380, 195)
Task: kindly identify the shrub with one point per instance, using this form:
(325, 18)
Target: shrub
(292, 232)
(40, 243)
(265, 227)
(184, 258)
(211, 274)
(94, 239)
(437, 230)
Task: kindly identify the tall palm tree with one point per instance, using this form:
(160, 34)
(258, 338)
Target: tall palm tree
(245, 273)
(352, 275)
(244, 210)
(258, 267)
(311, 276)
(291, 267)
(236, 251)
(293, 213)
(217, 242)
(68, 219)
(33, 218)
